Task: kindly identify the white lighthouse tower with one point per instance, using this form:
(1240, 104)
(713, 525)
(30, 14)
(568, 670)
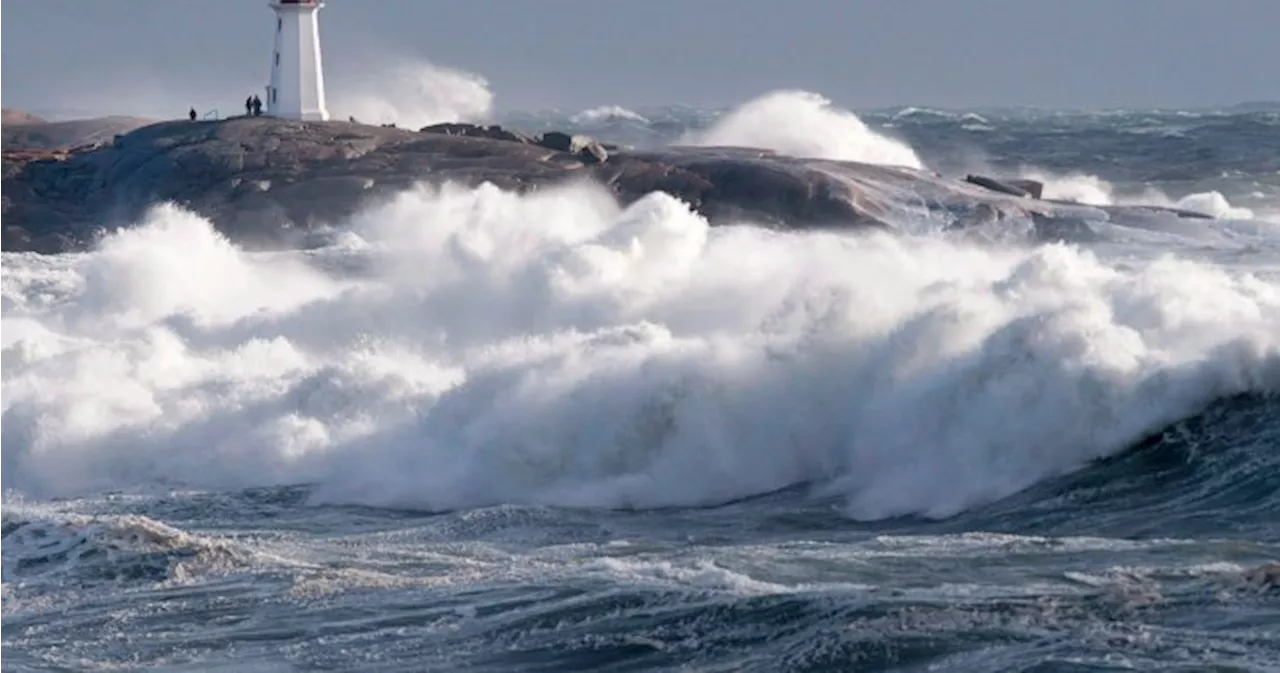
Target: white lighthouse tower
(296, 90)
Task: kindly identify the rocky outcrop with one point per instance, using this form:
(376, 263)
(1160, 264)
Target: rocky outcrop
(269, 182)
(10, 116)
(588, 150)
(28, 132)
(1023, 188)
(476, 131)
(1034, 189)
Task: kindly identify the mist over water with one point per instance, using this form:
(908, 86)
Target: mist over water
(414, 94)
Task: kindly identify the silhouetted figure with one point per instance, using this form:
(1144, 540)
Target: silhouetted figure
(192, 114)
(248, 106)
(257, 105)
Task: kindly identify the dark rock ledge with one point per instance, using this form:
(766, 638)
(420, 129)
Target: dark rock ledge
(269, 182)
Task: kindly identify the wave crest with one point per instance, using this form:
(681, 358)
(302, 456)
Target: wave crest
(804, 124)
(557, 348)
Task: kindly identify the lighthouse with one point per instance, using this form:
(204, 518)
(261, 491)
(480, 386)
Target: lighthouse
(296, 90)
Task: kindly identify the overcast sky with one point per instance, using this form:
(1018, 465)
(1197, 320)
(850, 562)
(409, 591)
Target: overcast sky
(74, 57)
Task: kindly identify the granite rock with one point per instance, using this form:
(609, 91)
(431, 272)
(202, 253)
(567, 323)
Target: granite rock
(268, 182)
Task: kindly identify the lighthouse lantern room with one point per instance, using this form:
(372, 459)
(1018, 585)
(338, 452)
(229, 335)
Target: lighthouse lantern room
(296, 90)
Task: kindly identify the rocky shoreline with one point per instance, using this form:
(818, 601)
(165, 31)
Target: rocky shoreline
(271, 183)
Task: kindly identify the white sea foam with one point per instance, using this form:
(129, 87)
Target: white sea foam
(1093, 190)
(466, 347)
(607, 113)
(804, 124)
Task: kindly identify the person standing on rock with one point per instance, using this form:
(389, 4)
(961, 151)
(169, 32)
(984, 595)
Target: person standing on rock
(192, 114)
(257, 105)
(248, 106)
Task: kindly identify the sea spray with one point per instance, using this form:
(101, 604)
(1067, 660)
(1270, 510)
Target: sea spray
(807, 124)
(558, 348)
(413, 94)
(804, 124)
(1093, 190)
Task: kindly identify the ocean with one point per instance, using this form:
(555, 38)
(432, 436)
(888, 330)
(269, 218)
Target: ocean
(489, 432)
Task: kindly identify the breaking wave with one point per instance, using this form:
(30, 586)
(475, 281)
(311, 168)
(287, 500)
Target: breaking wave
(1092, 190)
(804, 124)
(415, 94)
(607, 113)
(463, 347)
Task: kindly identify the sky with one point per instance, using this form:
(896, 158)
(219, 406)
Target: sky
(69, 58)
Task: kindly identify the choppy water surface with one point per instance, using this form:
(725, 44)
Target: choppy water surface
(484, 432)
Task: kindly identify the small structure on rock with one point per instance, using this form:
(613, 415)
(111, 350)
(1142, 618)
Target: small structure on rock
(296, 90)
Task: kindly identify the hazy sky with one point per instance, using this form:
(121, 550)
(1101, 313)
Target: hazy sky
(150, 56)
